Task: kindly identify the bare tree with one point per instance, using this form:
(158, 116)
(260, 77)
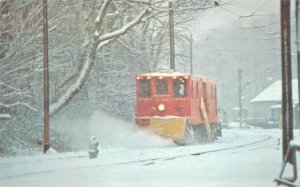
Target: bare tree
(19, 22)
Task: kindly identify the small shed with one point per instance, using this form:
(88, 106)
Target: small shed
(236, 114)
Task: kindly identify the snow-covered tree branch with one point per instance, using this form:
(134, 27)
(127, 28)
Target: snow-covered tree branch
(98, 42)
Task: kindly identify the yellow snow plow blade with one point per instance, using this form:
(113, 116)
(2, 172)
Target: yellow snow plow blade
(172, 128)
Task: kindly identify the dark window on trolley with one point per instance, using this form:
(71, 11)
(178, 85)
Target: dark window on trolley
(145, 88)
(161, 86)
(179, 88)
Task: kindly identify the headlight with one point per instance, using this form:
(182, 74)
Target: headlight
(161, 107)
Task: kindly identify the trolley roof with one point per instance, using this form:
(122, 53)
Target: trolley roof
(164, 73)
(170, 73)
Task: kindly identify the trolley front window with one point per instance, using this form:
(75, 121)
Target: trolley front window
(145, 88)
(179, 88)
(161, 86)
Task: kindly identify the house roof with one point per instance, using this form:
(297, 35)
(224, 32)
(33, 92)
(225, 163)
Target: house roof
(273, 92)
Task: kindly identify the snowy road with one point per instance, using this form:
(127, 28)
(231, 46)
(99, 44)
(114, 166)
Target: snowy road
(243, 157)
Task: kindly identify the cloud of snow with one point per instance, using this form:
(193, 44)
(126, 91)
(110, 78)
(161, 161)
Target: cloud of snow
(75, 129)
(112, 132)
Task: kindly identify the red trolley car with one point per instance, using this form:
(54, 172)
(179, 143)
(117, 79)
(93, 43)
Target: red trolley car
(177, 106)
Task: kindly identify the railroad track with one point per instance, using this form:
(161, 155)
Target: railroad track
(151, 160)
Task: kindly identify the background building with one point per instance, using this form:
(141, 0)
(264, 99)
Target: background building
(266, 106)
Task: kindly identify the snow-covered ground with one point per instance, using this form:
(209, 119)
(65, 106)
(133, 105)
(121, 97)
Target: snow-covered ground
(242, 157)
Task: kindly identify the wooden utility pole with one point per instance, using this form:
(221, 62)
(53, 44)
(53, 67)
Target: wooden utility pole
(286, 68)
(46, 78)
(289, 147)
(171, 31)
(298, 55)
(191, 54)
